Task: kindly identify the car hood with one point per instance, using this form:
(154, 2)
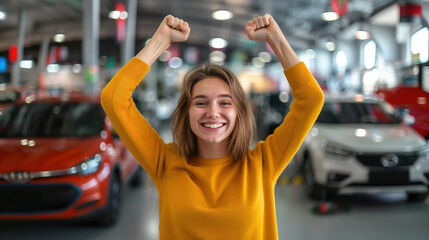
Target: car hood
(46, 154)
(371, 138)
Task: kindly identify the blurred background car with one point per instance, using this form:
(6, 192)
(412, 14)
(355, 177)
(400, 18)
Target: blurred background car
(61, 159)
(269, 109)
(359, 145)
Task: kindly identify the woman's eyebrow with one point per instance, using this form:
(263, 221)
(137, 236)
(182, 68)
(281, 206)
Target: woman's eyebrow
(199, 96)
(224, 96)
(219, 96)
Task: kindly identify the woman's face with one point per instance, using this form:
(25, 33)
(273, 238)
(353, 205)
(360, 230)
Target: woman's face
(212, 113)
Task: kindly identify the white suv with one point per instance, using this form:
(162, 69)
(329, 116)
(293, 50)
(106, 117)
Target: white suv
(359, 145)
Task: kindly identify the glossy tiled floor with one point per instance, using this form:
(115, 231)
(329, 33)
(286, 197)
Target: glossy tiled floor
(364, 217)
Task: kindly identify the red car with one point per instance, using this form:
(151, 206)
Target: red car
(60, 159)
(416, 100)
(411, 95)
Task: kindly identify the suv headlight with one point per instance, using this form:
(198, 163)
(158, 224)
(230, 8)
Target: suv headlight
(336, 150)
(424, 153)
(88, 166)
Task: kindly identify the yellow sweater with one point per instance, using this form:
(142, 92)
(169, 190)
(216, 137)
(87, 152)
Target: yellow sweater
(213, 198)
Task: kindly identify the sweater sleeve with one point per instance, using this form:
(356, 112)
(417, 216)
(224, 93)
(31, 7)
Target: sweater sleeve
(140, 138)
(279, 148)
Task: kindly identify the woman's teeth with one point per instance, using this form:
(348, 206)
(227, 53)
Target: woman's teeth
(216, 125)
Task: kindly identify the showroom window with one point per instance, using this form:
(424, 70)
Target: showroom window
(419, 45)
(369, 53)
(341, 61)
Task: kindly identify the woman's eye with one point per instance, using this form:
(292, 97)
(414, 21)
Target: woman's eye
(200, 103)
(225, 104)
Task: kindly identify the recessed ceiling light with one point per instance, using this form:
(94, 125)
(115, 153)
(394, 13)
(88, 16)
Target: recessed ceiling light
(329, 16)
(222, 15)
(2, 15)
(265, 57)
(330, 46)
(217, 56)
(362, 35)
(218, 43)
(114, 14)
(257, 62)
(310, 53)
(59, 37)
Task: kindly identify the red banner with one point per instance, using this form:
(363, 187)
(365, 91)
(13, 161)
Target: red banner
(340, 6)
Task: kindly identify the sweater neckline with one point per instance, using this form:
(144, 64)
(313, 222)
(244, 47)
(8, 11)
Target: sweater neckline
(196, 161)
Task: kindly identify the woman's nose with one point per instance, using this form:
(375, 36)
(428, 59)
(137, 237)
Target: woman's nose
(212, 111)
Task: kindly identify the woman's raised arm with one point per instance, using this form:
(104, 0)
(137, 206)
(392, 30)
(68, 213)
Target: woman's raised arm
(170, 30)
(265, 28)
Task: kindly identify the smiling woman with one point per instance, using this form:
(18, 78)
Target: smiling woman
(210, 184)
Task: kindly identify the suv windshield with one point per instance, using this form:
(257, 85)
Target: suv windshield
(343, 113)
(52, 120)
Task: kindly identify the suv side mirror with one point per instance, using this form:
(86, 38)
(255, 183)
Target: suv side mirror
(408, 119)
(405, 116)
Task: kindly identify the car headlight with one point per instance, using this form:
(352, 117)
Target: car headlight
(424, 153)
(88, 166)
(336, 150)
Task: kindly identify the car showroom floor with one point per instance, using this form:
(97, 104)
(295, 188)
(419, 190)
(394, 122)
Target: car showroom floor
(360, 217)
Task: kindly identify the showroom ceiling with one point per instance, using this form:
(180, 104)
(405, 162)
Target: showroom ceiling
(299, 19)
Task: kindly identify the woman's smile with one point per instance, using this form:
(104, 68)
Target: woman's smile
(214, 126)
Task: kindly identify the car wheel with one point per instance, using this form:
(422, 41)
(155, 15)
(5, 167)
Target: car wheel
(110, 214)
(417, 197)
(312, 189)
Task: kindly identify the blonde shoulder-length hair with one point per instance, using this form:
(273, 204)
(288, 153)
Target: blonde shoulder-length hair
(242, 134)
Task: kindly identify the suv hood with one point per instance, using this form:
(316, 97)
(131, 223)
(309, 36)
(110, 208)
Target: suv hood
(46, 154)
(371, 137)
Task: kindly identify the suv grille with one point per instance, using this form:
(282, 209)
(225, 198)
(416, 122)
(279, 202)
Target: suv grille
(375, 160)
(18, 199)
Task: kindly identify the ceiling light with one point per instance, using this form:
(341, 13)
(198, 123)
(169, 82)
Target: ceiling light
(217, 56)
(59, 37)
(175, 62)
(265, 56)
(123, 15)
(257, 62)
(27, 64)
(311, 54)
(330, 46)
(218, 43)
(2, 15)
(77, 68)
(114, 14)
(222, 15)
(329, 16)
(362, 35)
(165, 56)
(119, 12)
(52, 68)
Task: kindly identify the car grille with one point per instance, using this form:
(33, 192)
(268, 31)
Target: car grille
(375, 160)
(20, 199)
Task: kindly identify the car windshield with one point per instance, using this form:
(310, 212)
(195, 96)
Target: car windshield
(52, 120)
(357, 112)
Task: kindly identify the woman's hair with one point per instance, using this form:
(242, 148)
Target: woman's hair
(242, 134)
